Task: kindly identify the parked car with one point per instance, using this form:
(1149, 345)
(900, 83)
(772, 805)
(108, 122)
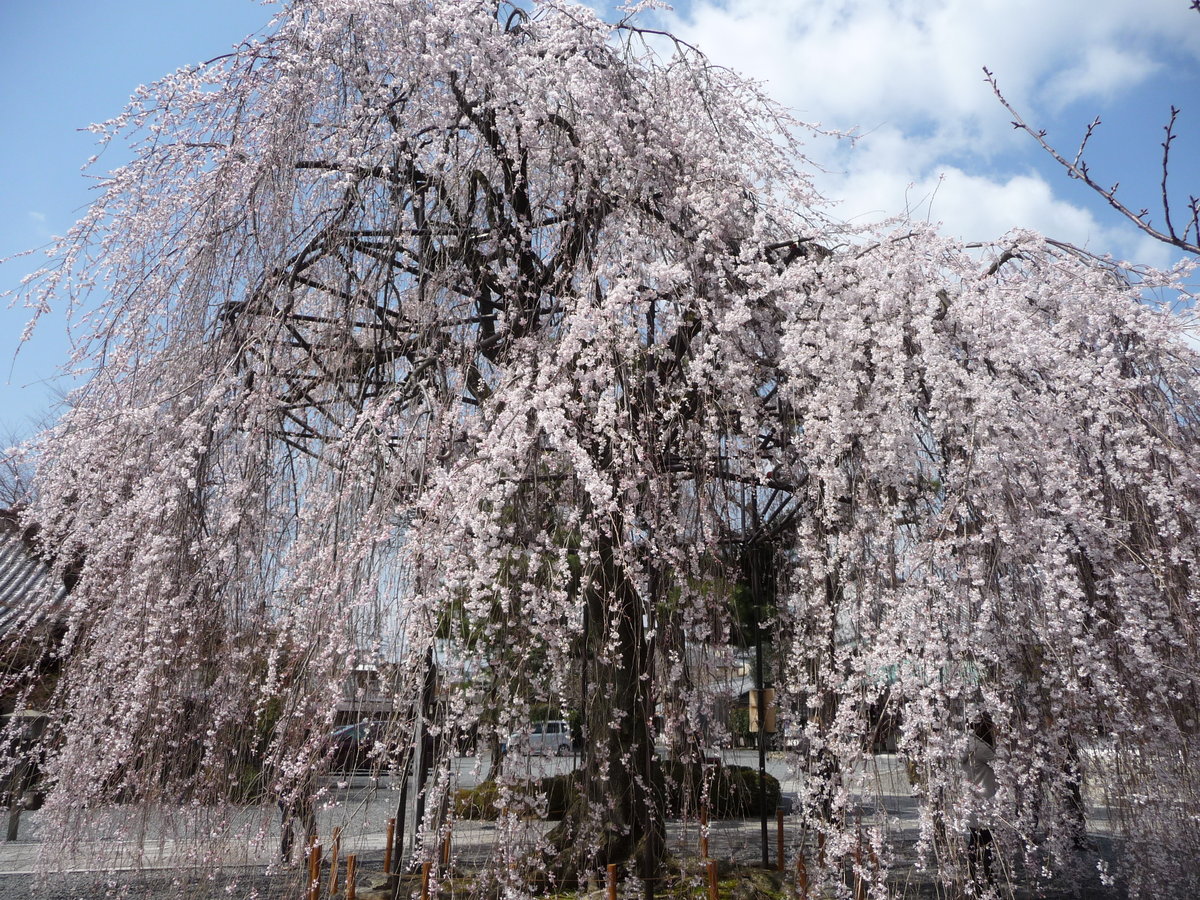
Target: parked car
(363, 745)
(553, 736)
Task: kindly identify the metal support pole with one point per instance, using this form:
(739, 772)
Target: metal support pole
(779, 854)
(756, 600)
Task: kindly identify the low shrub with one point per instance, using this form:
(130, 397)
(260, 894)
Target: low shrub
(483, 800)
(733, 793)
(479, 802)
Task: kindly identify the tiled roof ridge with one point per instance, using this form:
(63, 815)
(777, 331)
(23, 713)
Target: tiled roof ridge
(25, 577)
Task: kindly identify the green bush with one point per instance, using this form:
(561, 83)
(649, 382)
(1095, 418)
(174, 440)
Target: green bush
(478, 802)
(560, 791)
(733, 793)
(739, 726)
(482, 801)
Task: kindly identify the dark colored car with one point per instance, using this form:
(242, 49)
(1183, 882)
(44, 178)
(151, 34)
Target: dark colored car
(363, 746)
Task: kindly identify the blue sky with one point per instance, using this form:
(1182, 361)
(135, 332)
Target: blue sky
(906, 73)
(63, 65)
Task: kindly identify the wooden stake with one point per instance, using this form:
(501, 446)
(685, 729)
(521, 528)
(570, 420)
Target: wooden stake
(704, 832)
(425, 881)
(712, 880)
(334, 854)
(314, 871)
(860, 885)
(779, 839)
(446, 851)
(387, 846)
(351, 876)
(802, 874)
(612, 881)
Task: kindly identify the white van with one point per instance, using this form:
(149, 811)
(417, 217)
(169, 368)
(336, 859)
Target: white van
(552, 736)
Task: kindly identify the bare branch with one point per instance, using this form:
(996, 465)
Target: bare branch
(1169, 128)
(1077, 168)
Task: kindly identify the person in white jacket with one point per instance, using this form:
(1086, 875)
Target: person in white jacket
(979, 787)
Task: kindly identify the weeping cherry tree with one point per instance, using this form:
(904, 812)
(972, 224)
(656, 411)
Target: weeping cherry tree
(474, 339)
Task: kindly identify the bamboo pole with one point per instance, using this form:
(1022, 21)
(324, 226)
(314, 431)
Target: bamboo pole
(314, 871)
(612, 881)
(334, 859)
(712, 880)
(387, 847)
(351, 876)
(860, 884)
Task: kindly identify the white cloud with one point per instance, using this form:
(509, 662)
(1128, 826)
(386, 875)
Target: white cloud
(890, 173)
(867, 62)
(977, 207)
(37, 228)
(1102, 71)
(907, 74)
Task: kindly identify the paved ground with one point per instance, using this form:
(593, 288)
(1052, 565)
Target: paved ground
(360, 805)
(246, 865)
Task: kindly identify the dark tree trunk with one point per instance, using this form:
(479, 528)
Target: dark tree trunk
(617, 817)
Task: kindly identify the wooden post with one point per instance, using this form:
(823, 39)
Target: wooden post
(351, 876)
(14, 820)
(802, 874)
(387, 846)
(779, 839)
(860, 884)
(334, 853)
(425, 880)
(612, 881)
(17, 784)
(712, 880)
(704, 832)
(872, 859)
(314, 871)
(446, 850)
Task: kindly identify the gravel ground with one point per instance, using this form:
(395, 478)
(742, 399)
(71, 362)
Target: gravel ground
(151, 886)
(252, 883)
